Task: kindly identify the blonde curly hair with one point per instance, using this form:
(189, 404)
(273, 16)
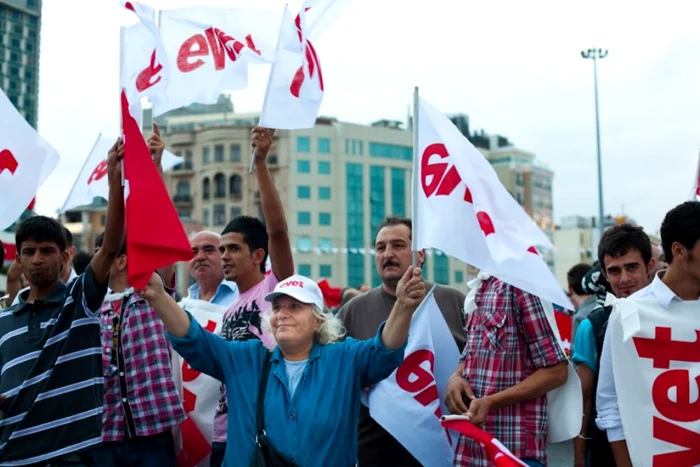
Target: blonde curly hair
(331, 328)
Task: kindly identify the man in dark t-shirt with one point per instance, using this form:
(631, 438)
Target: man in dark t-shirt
(362, 316)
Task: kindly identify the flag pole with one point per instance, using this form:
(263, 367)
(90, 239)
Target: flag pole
(122, 41)
(415, 182)
(63, 208)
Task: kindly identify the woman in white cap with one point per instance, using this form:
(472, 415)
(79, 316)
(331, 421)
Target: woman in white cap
(299, 404)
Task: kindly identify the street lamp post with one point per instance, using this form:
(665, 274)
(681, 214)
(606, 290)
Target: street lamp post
(595, 55)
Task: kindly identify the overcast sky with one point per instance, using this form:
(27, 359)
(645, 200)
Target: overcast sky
(514, 67)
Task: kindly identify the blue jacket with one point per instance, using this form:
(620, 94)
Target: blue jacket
(318, 426)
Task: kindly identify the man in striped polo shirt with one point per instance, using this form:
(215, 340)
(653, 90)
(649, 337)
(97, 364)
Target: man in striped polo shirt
(50, 352)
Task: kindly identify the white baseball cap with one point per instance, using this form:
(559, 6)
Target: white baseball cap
(300, 288)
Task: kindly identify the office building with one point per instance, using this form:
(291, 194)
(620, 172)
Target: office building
(20, 26)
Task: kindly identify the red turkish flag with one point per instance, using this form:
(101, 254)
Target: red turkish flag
(330, 294)
(155, 237)
(495, 450)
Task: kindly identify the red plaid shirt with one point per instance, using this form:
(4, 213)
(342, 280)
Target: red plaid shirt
(508, 339)
(140, 394)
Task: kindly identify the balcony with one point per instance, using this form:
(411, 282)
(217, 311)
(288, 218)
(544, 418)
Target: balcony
(182, 199)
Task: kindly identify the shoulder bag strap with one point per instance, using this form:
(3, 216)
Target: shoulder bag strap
(260, 414)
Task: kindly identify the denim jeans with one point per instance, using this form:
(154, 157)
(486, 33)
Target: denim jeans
(149, 451)
(533, 462)
(218, 451)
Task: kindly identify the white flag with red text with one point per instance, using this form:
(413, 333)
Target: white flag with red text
(199, 392)
(145, 66)
(295, 86)
(464, 211)
(26, 160)
(409, 403)
(656, 366)
(92, 179)
(209, 50)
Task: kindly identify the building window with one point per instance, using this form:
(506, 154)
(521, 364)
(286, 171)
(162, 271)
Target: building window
(182, 192)
(305, 270)
(184, 213)
(304, 218)
(325, 244)
(347, 146)
(441, 268)
(324, 192)
(304, 244)
(361, 148)
(235, 212)
(324, 167)
(235, 153)
(376, 199)
(219, 186)
(324, 145)
(398, 192)
(188, 160)
(206, 154)
(391, 151)
(303, 167)
(355, 224)
(354, 147)
(219, 153)
(234, 186)
(303, 192)
(205, 216)
(206, 188)
(219, 214)
(303, 144)
(325, 271)
(459, 277)
(324, 218)
(103, 220)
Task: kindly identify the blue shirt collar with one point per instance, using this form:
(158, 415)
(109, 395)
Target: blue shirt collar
(313, 355)
(194, 290)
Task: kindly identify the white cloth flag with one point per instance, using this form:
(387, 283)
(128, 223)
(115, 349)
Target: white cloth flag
(295, 87)
(656, 374)
(92, 179)
(199, 392)
(26, 160)
(464, 211)
(409, 403)
(209, 50)
(145, 67)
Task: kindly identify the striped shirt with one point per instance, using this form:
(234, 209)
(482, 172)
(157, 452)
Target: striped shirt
(51, 374)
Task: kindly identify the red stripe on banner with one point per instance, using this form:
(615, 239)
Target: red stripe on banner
(195, 447)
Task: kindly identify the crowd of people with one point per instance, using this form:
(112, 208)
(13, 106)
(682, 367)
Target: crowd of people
(86, 362)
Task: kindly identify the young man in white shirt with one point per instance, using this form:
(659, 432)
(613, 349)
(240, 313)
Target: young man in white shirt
(680, 232)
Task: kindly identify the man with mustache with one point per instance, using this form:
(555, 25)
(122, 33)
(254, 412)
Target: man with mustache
(363, 315)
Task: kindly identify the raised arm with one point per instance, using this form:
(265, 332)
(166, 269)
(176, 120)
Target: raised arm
(114, 225)
(275, 222)
(201, 349)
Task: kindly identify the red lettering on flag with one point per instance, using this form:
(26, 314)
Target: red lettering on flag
(679, 436)
(99, 172)
(662, 349)
(436, 179)
(215, 41)
(189, 373)
(311, 61)
(145, 79)
(8, 161)
(412, 377)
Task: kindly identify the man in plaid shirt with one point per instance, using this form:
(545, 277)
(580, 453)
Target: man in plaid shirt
(511, 360)
(141, 402)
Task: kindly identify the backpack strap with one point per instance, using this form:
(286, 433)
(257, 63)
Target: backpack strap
(599, 321)
(260, 410)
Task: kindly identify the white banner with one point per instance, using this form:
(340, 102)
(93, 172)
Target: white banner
(209, 50)
(92, 179)
(409, 403)
(199, 392)
(657, 378)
